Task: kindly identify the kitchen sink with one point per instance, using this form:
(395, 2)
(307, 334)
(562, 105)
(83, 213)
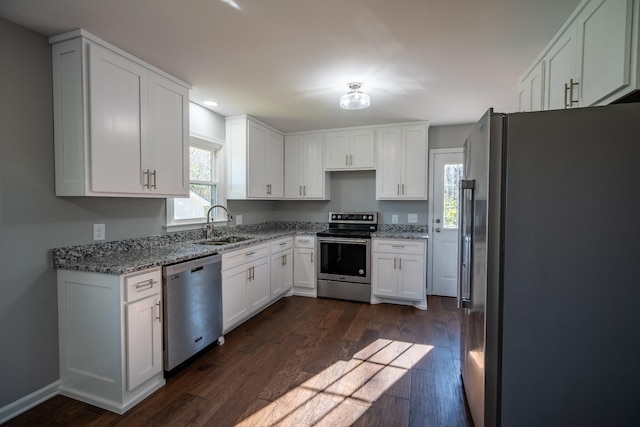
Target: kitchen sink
(224, 240)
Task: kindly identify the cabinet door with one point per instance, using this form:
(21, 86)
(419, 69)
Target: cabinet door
(304, 268)
(165, 151)
(257, 185)
(281, 273)
(389, 173)
(414, 145)
(116, 99)
(274, 167)
(531, 90)
(604, 43)
(337, 150)
(293, 167)
(259, 285)
(313, 161)
(234, 296)
(144, 340)
(363, 154)
(384, 274)
(560, 69)
(412, 277)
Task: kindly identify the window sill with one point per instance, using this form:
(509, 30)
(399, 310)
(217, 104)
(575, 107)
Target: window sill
(199, 225)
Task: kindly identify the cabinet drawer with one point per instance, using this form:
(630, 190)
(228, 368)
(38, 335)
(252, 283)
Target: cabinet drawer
(243, 255)
(404, 246)
(142, 284)
(305, 242)
(281, 245)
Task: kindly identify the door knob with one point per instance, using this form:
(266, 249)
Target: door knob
(437, 229)
(438, 221)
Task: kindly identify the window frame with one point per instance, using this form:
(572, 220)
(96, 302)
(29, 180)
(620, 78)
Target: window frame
(218, 147)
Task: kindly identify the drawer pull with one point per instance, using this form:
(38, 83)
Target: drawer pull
(143, 286)
(397, 246)
(283, 243)
(250, 253)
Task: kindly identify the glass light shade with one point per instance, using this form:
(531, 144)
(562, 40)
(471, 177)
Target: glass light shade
(355, 101)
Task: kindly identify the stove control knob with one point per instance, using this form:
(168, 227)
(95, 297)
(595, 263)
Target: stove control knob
(339, 216)
(370, 217)
(333, 216)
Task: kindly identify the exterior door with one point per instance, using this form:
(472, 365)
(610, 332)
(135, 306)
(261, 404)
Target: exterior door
(446, 169)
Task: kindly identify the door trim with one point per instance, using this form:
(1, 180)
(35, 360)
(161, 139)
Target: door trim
(432, 154)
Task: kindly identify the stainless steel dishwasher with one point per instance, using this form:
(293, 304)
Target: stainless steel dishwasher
(192, 308)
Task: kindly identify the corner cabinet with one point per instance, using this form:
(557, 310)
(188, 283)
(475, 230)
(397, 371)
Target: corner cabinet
(399, 273)
(120, 125)
(110, 334)
(255, 154)
(592, 60)
(352, 149)
(305, 177)
(402, 162)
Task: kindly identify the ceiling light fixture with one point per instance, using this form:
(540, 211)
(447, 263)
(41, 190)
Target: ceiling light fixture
(354, 99)
(211, 103)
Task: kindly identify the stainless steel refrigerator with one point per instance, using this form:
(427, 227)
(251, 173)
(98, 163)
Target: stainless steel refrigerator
(549, 280)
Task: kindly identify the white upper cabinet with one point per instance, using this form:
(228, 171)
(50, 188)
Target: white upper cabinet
(351, 149)
(304, 173)
(255, 160)
(592, 60)
(531, 90)
(402, 162)
(120, 125)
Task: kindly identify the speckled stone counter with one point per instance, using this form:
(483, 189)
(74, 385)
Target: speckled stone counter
(401, 231)
(126, 256)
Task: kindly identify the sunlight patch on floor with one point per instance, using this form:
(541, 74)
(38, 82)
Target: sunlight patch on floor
(341, 393)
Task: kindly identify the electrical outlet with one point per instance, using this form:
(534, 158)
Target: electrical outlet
(98, 231)
(394, 219)
(412, 218)
(238, 219)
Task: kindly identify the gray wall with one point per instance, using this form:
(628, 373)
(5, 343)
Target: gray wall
(33, 220)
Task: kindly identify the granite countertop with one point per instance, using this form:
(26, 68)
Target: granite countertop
(127, 256)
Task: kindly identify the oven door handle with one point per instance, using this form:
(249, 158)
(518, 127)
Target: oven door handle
(347, 241)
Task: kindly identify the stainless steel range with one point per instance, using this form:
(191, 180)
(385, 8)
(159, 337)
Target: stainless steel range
(344, 270)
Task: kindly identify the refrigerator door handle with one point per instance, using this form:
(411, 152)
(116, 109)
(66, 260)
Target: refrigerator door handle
(467, 188)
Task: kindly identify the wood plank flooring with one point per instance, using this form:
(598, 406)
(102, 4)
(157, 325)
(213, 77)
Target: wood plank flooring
(306, 362)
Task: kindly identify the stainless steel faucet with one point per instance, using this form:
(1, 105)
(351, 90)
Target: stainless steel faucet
(209, 224)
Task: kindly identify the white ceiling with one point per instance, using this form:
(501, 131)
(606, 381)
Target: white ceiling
(286, 62)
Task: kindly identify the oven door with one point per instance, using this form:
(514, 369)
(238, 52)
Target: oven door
(344, 259)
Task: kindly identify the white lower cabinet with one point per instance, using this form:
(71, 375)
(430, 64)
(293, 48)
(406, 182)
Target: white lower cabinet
(399, 272)
(304, 266)
(281, 267)
(110, 334)
(246, 284)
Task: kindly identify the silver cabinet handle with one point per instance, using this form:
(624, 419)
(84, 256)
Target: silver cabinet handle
(403, 189)
(143, 286)
(346, 160)
(311, 257)
(568, 89)
(304, 190)
(159, 316)
(394, 263)
(250, 253)
(399, 263)
(145, 183)
(300, 191)
(154, 179)
(283, 243)
(397, 246)
(398, 192)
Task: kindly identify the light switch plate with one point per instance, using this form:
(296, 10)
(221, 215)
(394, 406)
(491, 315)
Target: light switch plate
(98, 231)
(412, 218)
(394, 219)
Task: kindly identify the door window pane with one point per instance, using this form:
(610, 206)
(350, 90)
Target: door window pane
(452, 175)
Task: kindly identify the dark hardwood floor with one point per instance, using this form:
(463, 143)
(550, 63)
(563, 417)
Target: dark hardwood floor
(306, 362)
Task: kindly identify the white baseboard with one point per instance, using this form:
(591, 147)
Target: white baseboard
(16, 408)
